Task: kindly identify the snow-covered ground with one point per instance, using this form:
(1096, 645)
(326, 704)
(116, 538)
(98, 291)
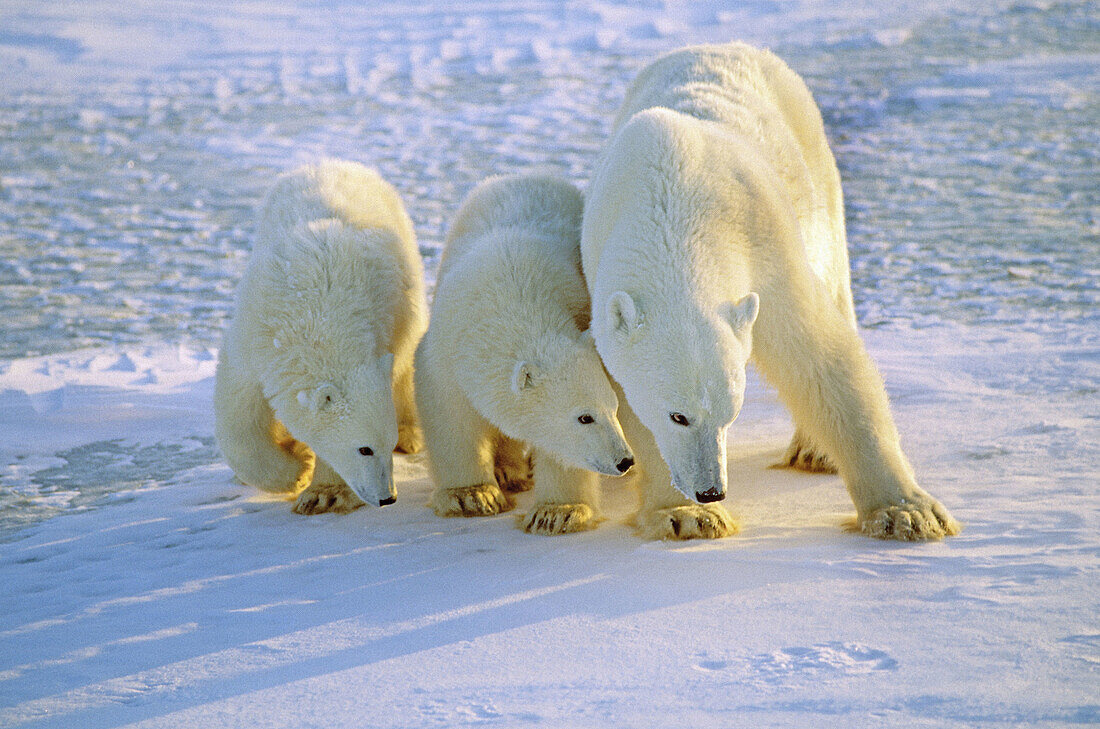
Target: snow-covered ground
(144, 587)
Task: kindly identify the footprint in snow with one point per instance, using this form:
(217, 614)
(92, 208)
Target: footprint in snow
(821, 660)
(478, 712)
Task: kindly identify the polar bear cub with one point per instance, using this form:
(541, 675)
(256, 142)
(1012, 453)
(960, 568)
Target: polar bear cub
(714, 232)
(314, 382)
(507, 362)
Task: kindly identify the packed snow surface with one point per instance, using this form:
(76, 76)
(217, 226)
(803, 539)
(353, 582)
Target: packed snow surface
(144, 587)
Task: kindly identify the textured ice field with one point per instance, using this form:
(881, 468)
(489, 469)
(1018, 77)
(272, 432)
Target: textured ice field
(143, 587)
(136, 140)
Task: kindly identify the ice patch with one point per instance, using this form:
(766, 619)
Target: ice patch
(931, 97)
(893, 36)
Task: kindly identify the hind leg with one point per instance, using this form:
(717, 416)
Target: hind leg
(410, 438)
(804, 455)
(512, 464)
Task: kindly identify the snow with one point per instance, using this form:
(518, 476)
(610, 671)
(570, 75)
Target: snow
(188, 600)
(144, 587)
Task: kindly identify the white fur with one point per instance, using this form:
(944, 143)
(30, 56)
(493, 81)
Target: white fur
(506, 361)
(719, 185)
(320, 347)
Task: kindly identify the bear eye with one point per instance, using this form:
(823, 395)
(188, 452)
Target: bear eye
(586, 419)
(679, 419)
(366, 451)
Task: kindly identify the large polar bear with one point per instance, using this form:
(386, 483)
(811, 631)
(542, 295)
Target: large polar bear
(320, 347)
(714, 228)
(507, 362)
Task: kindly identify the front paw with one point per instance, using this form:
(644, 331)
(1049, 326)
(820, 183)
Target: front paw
(410, 439)
(325, 498)
(483, 499)
(690, 521)
(551, 519)
(911, 521)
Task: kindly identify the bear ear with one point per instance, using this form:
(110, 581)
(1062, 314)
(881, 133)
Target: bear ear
(741, 315)
(319, 398)
(622, 315)
(523, 376)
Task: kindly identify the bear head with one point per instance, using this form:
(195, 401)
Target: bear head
(349, 421)
(561, 402)
(684, 377)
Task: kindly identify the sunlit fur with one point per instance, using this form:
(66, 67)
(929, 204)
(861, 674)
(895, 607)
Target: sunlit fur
(317, 360)
(506, 362)
(718, 182)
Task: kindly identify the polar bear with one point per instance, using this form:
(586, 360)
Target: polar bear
(714, 231)
(314, 381)
(507, 362)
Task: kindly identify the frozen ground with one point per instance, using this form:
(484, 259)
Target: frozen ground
(137, 137)
(144, 587)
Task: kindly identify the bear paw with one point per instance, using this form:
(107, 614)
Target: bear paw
(911, 522)
(323, 498)
(690, 521)
(410, 439)
(804, 457)
(551, 519)
(515, 477)
(483, 499)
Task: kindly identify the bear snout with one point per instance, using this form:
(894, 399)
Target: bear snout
(625, 464)
(387, 501)
(711, 494)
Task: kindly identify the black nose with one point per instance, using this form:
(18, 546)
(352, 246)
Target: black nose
(387, 502)
(625, 464)
(711, 494)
